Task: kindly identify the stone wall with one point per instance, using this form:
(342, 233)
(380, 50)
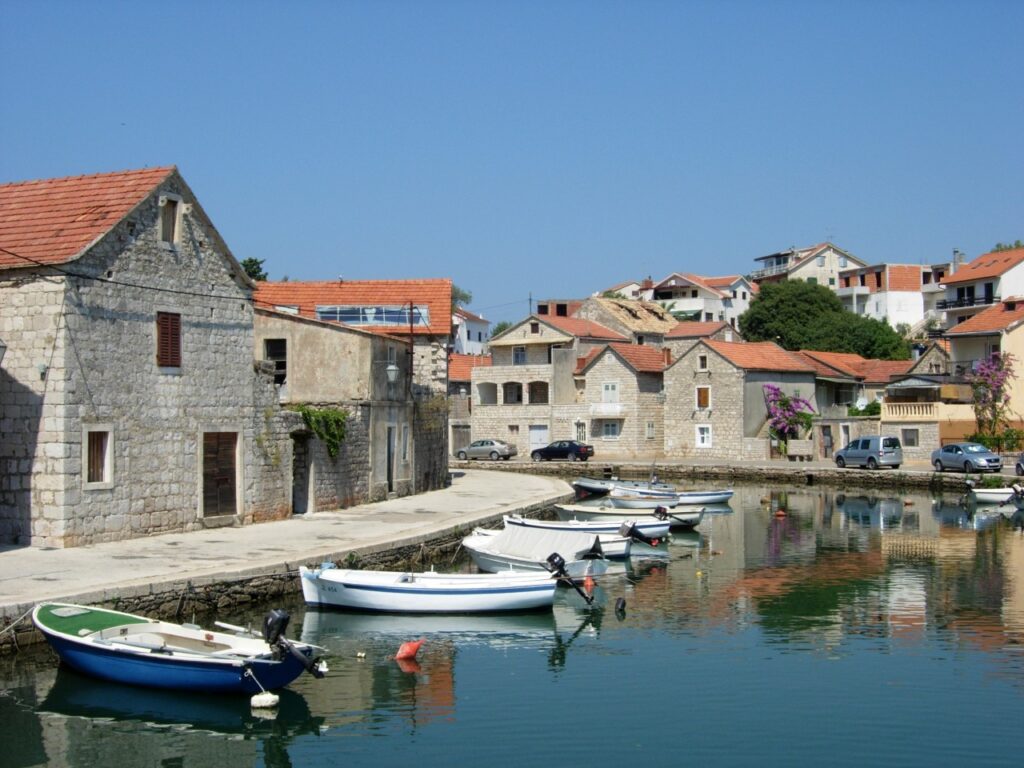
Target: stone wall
(725, 415)
(639, 402)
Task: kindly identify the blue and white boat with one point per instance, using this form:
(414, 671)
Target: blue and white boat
(426, 592)
(124, 648)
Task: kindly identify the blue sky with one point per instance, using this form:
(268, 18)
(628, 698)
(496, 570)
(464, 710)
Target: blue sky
(545, 148)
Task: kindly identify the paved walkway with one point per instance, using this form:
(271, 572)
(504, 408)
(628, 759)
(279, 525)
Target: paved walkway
(167, 562)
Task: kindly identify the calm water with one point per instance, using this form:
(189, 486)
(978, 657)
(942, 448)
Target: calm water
(855, 630)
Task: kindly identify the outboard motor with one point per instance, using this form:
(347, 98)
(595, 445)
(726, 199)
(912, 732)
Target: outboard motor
(274, 625)
(628, 529)
(660, 512)
(556, 564)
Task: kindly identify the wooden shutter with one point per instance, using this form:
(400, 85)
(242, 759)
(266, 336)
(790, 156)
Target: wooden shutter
(168, 339)
(97, 457)
(703, 397)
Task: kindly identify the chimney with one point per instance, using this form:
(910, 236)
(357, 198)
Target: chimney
(647, 284)
(668, 355)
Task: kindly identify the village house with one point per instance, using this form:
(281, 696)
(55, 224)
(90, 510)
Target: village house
(460, 401)
(979, 284)
(819, 264)
(470, 332)
(704, 299)
(900, 294)
(685, 335)
(419, 311)
(365, 375)
(128, 400)
(715, 405)
(639, 322)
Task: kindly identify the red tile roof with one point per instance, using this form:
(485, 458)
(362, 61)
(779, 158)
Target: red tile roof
(581, 328)
(695, 330)
(871, 371)
(640, 357)
(695, 280)
(988, 265)
(583, 362)
(463, 312)
(822, 369)
(52, 221)
(847, 363)
(435, 293)
(758, 356)
(460, 367)
(999, 317)
(882, 371)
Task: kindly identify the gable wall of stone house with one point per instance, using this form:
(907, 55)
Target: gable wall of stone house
(639, 396)
(933, 361)
(682, 416)
(103, 373)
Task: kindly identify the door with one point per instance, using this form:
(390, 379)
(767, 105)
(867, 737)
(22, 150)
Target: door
(538, 436)
(219, 473)
(300, 475)
(826, 441)
(391, 459)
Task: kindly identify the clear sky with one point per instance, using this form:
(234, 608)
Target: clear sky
(545, 148)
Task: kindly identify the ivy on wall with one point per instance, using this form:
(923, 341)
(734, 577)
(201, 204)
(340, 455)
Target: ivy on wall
(326, 423)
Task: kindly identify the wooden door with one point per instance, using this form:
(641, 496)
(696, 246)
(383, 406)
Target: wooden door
(219, 473)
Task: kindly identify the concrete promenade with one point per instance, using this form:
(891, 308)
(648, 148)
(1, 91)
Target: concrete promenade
(168, 562)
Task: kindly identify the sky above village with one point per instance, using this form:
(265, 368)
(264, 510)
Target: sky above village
(550, 148)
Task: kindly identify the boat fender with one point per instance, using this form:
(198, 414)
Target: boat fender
(265, 700)
(620, 608)
(408, 650)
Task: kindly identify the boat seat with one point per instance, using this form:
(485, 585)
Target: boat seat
(406, 578)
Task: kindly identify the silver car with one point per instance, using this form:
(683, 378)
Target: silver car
(487, 449)
(966, 457)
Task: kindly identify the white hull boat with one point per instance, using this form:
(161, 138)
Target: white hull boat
(991, 495)
(688, 517)
(528, 549)
(613, 546)
(654, 529)
(639, 499)
(426, 592)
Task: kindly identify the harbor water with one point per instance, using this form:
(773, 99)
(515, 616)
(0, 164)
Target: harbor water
(795, 627)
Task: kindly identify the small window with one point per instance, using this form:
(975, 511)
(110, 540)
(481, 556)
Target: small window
(703, 435)
(702, 362)
(518, 355)
(842, 261)
(821, 260)
(831, 281)
(513, 430)
(693, 294)
(703, 398)
(405, 442)
(276, 350)
(744, 295)
(650, 430)
(169, 210)
(98, 449)
(534, 327)
(610, 392)
(168, 339)
(640, 340)
(581, 431)
(610, 430)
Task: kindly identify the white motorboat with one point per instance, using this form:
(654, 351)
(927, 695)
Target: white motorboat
(426, 592)
(613, 546)
(687, 517)
(651, 528)
(529, 549)
(628, 498)
(991, 495)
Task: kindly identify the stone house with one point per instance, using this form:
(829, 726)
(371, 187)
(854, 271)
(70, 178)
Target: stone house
(327, 365)
(128, 400)
(819, 264)
(640, 322)
(715, 404)
(415, 310)
(460, 401)
(685, 335)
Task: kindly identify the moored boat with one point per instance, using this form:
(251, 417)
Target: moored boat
(687, 517)
(651, 528)
(528, 549)
(613, 546)
(426, 592)
(125, 648)
(991, 495)
(640, 499)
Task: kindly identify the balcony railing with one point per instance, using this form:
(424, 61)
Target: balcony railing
(980, 301)
(910, 411)
(606, 410)
(757, 274)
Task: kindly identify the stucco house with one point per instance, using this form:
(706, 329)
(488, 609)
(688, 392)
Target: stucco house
(704, 299)
(715, 404)
(128, 400)
(470, 332)
(895, 293)
(417, 310)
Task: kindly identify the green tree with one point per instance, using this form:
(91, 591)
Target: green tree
(460, 297)
(254, 268)
(500, 327)
(614, 295)
(1007, 246)
(799, 315)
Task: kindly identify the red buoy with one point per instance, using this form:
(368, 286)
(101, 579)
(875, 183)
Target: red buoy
(408, 650)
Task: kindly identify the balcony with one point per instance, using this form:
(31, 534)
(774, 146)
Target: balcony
(966, 302)
(927, 412)
(759, 274)
(607, 410)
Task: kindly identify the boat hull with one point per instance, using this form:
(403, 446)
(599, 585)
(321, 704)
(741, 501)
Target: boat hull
(677, 517)
(991, 495)
(492, 561)
(426, 593)
(656, 529)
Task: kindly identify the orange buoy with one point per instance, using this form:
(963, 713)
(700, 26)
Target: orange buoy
(409, 666)
(780, 512)
(409, 650)
(588, 584)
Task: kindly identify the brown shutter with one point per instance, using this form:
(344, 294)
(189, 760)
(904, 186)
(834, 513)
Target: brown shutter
(168, 339)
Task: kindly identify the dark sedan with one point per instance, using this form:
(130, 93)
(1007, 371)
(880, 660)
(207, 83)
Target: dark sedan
(563, 449)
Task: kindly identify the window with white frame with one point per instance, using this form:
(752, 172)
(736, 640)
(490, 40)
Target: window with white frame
(610, 430)
(170, 220)
(703, 435)
(518, 355)
(610, 392)
(703, 399)
(702, 362)
(650, 430)
(98, 458)
(581, 431)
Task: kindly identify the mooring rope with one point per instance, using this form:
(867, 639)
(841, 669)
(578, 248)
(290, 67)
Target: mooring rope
(10, 627)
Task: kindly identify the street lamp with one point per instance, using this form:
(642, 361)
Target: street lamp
(391, 371)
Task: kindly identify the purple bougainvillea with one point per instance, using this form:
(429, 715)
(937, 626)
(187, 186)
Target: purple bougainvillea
(990, 389)
(787, 414)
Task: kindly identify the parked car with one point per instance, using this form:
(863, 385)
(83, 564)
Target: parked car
(966, 457)
(487, 449)
(1019, 468)
(872, 452)
(563, 449)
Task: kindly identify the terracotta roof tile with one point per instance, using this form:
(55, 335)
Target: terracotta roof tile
(992, 264)
(823, 369)
(435, 293)
(882, 371)
(51, 221)
(848, 363)
(581, 328)
(640, 357)
(758, 356)
(460, 367)
(463, 312)
(998, 317)
(695, 329)
(583, 362)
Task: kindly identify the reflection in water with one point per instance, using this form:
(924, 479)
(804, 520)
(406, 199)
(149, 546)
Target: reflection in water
(849, 583)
